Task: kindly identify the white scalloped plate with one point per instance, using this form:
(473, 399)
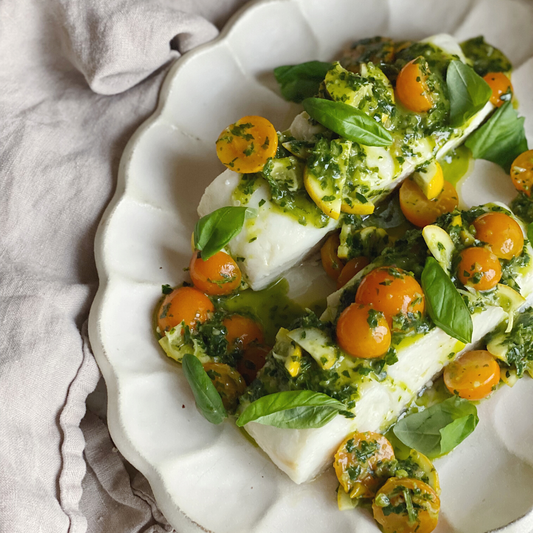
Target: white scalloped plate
(210, 477)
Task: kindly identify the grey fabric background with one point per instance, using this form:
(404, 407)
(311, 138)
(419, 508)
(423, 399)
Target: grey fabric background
(77, 77)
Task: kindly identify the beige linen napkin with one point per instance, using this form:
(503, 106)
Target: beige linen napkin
(61, 137)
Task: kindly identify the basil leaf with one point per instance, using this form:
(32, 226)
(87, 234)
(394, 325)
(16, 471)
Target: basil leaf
(438, 429)
(456, 432)
(298, 82)
(215, 230)
(468, 92)
(501, 139)
(207, 398)
(349, 122)
(444, 304)
(292, 409)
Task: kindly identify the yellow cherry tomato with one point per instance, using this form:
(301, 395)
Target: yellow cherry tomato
(242, 331)
(358, 463)
(219, 275)
(473, 375)
(522, 172)
(363, 331)
(502, 233)
(330, 260)
(227, 381)
(391, 506)
(185, 304)
(248, 144)
(500, 84)
(350, 269)
(419, 210)
(411, 86)
(479, 268)
(253, 360)
(392, 291)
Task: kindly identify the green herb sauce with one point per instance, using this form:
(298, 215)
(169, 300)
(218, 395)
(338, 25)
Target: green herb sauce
(271, 307)
(457, 165)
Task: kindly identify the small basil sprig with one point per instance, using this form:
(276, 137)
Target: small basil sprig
(444, 304)
(215, 230)
(298, 82)
(501, 139)
(440, 428)
(207, 398)
(468, 92)
(349, 122)
(292, 409)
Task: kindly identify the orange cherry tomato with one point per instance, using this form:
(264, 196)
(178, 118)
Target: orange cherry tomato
(253, 360)
(185, 304)
(500, 84)
(241, 331)
(350, 269)
(358, 460)
(426, 505)
(218, 275)
(330, 260)
(363, 331)
(522, 172)
(419, 210)
(502, 233)
(392, 291)
(473, 375)
(248, 144)
(227, 381)
(411, 86)
(479, 268)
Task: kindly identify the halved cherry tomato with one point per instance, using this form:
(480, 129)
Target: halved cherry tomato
(350, 269)
(473, 375)
(358, 461)
(522, 172)
(248, 144)
(185, 304)
(253, 360)
(390, 506)
(227, 381)
(419, 210)
(241, 331)
(411, 87)
(500, 85)
(220, 274)
(502, 233)
(392, 291)
(330, 260)
(479, 268)
(363, 331)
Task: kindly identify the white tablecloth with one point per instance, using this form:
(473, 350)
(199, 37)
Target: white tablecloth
(77, 77)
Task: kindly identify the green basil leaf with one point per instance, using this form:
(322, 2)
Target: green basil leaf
(349, 122)
(468, 92)
(456, 432)
(438, 429)
(215, 230)
(501, 139)
(292, 409)
(298, 82)
(444, 304)
(207, 397)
